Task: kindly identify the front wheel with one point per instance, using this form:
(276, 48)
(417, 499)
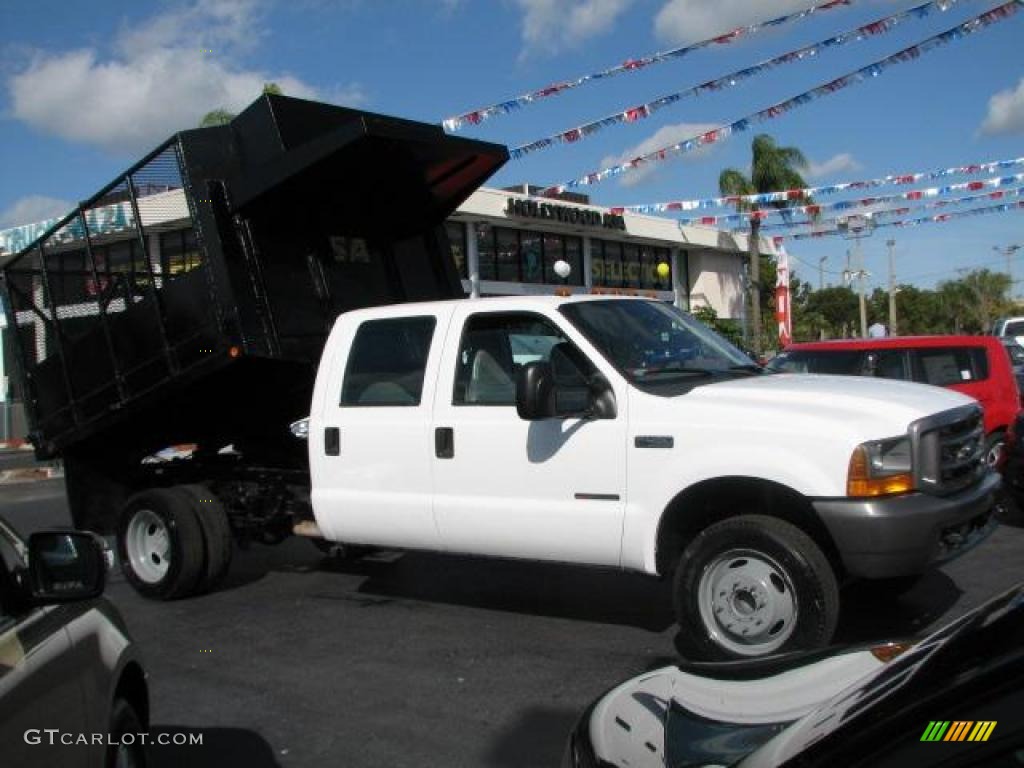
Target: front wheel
(751, 586)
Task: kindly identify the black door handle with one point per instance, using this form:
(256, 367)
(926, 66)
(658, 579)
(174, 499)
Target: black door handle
(444, 443)
(332, 441)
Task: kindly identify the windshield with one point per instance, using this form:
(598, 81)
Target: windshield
(649, 342)
(843, 362)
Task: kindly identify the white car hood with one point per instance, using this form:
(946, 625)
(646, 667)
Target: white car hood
(876, 407)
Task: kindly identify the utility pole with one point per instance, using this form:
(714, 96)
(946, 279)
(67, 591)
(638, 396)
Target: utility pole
(863, 303)
(1008, 252)
(821, 272)
(892, 287)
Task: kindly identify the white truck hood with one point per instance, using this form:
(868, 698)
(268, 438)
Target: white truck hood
(876, 403)
(796, 429)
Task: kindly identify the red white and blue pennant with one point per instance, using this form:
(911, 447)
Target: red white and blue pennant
(902, 223)
(476, 116)
(911, 53)
(815, 209)
(638, 112)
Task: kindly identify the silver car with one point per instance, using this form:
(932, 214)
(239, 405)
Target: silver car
(72, 688)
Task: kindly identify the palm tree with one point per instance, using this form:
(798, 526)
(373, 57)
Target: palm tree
(772, 168)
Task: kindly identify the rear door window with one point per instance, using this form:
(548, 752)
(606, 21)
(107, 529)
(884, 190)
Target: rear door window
(946, 366)
(388, 362)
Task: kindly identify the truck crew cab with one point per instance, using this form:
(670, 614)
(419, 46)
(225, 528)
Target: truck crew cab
(293, 264)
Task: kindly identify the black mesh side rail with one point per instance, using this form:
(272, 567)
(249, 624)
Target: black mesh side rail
(113, 301)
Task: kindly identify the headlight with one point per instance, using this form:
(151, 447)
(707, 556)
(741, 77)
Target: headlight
(880, 468)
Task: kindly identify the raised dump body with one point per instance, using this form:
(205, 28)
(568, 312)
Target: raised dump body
(189, 300)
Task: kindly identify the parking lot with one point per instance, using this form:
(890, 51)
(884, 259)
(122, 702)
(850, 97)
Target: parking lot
(426, 660)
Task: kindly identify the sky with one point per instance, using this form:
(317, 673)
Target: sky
(86, 89)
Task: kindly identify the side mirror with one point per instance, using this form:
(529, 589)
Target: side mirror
(535, 385)
(64, 566)
(540, 394)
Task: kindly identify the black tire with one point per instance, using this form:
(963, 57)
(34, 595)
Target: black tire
(125, 720)
(753, 561)
(995, 444)
(176, 571)
(220, 544)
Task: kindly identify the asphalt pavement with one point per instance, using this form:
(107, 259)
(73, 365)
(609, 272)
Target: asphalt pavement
(426, 660)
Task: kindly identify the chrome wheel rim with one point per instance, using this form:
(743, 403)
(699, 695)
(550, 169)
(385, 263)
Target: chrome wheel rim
(747, 603)
(148, 546)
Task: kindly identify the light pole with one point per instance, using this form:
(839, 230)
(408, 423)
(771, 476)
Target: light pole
(1008, 252)
(856, 226)
(892, 286)
(821, 272)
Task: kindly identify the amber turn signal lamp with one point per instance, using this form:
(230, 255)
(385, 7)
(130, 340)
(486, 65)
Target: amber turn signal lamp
(889, 651)
(860, 483)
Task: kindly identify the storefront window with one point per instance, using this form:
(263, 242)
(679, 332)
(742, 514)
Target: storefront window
(631, 266)
(574, 256)
(507, 246)
(457, 242)
(532, 255)
(625, 265)
(179, 251)
(485, 251)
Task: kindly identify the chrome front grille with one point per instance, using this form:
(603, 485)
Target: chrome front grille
(950, 450)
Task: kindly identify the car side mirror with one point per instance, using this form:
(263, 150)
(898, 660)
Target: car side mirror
(541, 395)
(64, 566)
(535, 385)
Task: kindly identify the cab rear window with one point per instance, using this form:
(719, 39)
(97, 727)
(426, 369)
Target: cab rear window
(387, 362)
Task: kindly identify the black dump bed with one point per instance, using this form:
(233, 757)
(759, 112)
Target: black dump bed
(188, 301)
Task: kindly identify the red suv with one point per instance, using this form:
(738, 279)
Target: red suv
(978, 366)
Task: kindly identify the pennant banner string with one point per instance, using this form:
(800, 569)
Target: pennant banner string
(939, 218)
(641, 111)
(830, 189)
(476, 116)
(813, 209)
(911, 53)
(875, 216)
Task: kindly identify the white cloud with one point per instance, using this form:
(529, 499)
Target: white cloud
(159, 79)
(840, 163)
(1006, 111)
(663, 137)
(33, 208)
(550, 26)
(681, 21)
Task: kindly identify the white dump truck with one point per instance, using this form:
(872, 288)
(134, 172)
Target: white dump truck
(604, 431)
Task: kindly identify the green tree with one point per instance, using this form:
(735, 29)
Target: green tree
(976, 299)
(837, 309)
(730, 329)
(216, 117)
(772, 168)
(223, 117)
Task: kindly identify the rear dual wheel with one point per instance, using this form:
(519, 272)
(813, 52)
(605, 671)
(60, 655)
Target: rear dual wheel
(174, 542)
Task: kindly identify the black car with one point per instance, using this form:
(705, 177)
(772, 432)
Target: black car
(72, 687)
(955, 698)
